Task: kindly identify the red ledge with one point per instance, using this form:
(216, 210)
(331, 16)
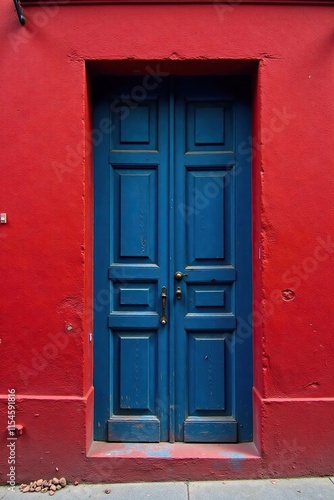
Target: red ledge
(242, 451)
(215, 2)
(137, 462)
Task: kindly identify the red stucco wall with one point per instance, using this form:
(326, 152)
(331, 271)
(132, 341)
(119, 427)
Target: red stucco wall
(46, 246)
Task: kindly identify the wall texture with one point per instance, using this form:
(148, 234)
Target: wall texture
(46, 246)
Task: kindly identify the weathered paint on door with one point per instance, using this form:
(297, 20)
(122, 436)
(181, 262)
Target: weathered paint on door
(172, 194)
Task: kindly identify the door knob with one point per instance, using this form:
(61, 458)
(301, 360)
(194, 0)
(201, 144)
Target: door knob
(179, 276)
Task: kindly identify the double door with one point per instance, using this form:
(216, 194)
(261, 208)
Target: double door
(172, 272)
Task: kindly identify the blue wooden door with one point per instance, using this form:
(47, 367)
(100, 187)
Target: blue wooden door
(172, 335)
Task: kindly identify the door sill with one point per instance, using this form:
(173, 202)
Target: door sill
(149, 462)
(239, 451)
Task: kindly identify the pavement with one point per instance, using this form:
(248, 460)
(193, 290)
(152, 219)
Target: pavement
(259, 489)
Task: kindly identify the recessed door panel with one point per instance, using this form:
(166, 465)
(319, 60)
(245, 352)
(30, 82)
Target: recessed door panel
(206, 374)
(135, 195)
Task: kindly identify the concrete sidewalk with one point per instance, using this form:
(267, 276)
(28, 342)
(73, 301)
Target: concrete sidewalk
(264, 489)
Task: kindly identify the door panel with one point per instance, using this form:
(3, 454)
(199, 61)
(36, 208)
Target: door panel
(136, 202)
(138, 236)
(172, 193)
(205, 197)
(205, 252)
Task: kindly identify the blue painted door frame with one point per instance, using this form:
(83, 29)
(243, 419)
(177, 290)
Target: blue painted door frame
(172, 194)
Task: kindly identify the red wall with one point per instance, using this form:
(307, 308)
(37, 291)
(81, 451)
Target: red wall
(46, 247)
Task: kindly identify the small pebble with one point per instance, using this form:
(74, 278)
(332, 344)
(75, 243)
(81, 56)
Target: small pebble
(108, 490)
(43, 485)
(75, 483)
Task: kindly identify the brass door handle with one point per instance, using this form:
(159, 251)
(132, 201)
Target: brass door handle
(163, 317)
(179, 276)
